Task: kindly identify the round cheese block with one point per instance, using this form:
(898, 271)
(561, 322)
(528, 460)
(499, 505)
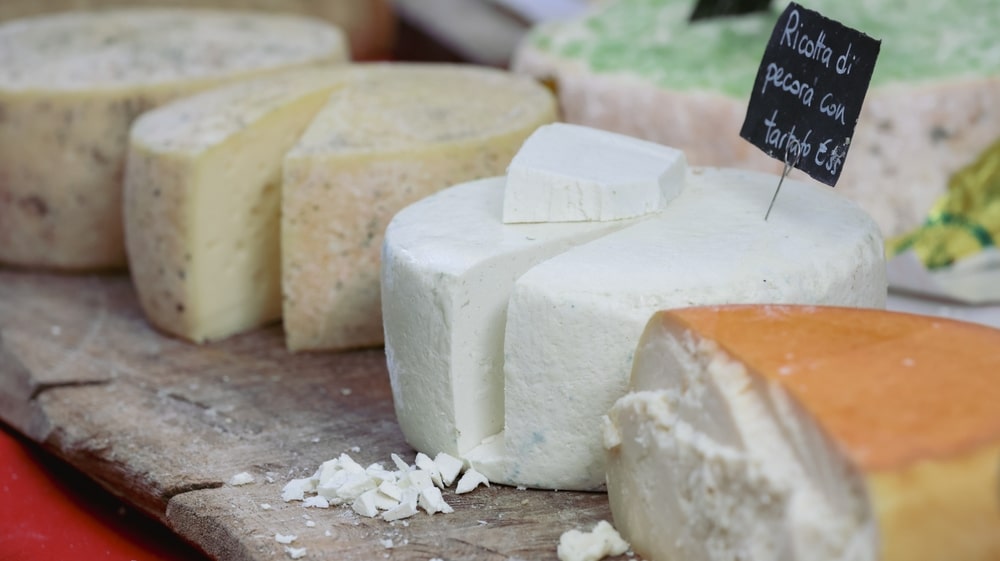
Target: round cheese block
(540, 321)
(793, 432)
(269, 197)
(640, 68)
(70, 87)
(368, 24)
(391, 138)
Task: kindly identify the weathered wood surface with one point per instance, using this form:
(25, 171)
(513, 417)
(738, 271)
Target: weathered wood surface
(165, 424)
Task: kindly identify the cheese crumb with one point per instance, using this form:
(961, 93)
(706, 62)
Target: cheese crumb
(265, 506)
(318, 501)
(296, 552)
(600, 542)
(284, 539)
(310, 523)
(470, 480)
(242, 478)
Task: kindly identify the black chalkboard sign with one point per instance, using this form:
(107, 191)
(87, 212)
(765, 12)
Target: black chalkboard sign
(809, 90)
(705, 9)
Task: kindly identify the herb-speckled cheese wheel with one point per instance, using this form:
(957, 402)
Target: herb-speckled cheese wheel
(368, 24)
(70, 87)
(638, 67)
(789, 432)
(389, 139)
(203, 197)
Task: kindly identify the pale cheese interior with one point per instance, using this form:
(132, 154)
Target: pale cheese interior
(709, 461)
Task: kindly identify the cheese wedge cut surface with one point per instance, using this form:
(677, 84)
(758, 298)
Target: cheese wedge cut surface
(203, 197)
(448, 267)
(569, 173)
(794, 432)
(574, 320)
(394, 137)
(70, 87)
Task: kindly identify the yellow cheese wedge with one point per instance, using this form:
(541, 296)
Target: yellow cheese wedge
(70, 86)
(202, 201)
(389, 139)
(784, 432)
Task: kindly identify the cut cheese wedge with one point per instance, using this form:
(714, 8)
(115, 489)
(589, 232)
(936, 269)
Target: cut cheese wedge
(569, 173)
(449, 265)
(70, 86)
(791, 432)
(393, 137)
(567, 315)
(203, 197)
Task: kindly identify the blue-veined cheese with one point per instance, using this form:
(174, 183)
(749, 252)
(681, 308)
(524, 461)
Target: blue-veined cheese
(393, 137)
(70, 86)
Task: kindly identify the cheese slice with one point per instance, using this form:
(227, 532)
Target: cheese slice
(794, 432)
(70, 86)
(574, 320)
(390, 139)
(448, 267)
(569, 173)
(203, 196)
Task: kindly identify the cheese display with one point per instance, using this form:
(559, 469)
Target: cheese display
(539, 321)
(569, 173)
(70, 87)
(386, 141)
(639, 67)
(796, 432)
(368, 24)
(202, 201)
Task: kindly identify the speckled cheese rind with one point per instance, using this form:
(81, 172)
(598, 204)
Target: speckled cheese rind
(637, 67)
(368, 24)
(574, 320)
(202, 201)
(390, 139)
(794, 432)
(70, 87)
(449, 264)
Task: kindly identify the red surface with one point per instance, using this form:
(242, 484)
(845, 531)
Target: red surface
(48, 510)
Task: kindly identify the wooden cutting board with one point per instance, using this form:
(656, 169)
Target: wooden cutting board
(164, 424)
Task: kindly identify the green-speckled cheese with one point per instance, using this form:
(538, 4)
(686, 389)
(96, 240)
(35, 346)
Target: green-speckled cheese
(640, 68)
(70, 87)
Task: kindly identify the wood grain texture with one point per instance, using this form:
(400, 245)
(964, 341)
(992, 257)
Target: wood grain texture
(164, 424)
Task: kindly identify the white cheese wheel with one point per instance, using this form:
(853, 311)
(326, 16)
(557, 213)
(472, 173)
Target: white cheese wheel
(70, 87)
(390, 139)
(572, 320)
(203, 196)
(808, 432)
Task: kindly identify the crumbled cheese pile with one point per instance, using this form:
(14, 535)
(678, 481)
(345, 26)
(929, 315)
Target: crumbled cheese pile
(375, 491)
